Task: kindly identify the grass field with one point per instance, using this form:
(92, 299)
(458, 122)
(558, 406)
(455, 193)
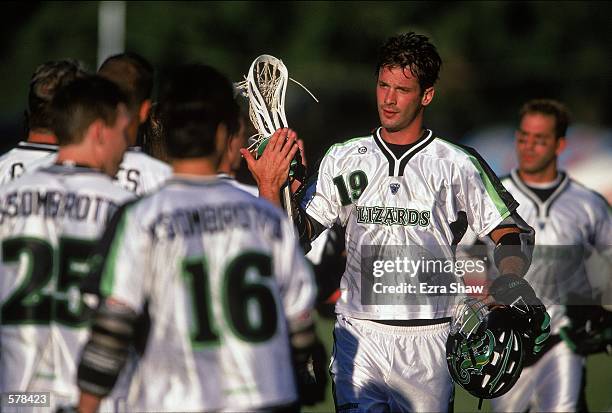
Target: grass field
(599, 382)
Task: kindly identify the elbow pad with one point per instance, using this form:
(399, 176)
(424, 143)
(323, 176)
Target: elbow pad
(106, 352)
(515, 244)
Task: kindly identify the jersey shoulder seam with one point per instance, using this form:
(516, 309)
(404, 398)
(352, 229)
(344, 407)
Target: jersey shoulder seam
(589, 190)
(347, 142)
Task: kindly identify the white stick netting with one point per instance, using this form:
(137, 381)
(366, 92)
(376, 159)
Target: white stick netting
(265, 86)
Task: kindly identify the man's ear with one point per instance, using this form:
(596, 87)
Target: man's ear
(561, 145)
(221, 138)
(95, 132)
(427, 96)
(143, 113)
(233, 143)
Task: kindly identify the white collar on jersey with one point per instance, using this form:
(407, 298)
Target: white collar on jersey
(544, 185)
(397, 165)
(543, 207)
(418, 143)
(196, 178)
(224, 175)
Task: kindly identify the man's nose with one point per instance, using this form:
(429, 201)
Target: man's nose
(390, 96)
(530, 143)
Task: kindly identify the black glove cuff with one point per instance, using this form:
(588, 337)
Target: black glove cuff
(510, 289)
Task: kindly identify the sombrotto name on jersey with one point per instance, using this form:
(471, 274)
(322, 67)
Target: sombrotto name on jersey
(73, 205)
(211, 219)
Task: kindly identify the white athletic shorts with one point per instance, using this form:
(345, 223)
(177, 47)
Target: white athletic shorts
(552, 384)
(381, 368)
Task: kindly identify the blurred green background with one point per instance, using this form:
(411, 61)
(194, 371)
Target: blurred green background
(496, 55)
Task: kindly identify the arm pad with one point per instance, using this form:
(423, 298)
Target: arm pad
(106, 352)
(307, 228)
(515, 244)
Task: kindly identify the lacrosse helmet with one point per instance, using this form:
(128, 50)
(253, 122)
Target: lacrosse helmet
(484, 349)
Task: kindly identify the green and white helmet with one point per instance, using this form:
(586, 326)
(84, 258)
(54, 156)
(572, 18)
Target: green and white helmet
(484, 349)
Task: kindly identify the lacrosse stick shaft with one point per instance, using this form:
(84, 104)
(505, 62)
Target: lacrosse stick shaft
(286, 197)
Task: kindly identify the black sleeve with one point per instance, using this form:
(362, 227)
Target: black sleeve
(307, 227)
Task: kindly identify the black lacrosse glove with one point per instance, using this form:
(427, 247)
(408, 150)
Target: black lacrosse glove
(297, 170)
(589, 331)
(311, 373)
(532, 319)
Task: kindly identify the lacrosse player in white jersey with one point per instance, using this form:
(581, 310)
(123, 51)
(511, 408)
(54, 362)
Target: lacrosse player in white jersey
(218, 273)
(404, 186)
(231, 158)
(139, 172)
(50, 221)
(41, 141)
(565, 214)
(228, 167)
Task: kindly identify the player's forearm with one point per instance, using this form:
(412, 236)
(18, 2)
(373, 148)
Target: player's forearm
(308, 228)
(512, 265)
(88, 403)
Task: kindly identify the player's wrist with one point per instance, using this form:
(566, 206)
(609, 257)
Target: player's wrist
(511, 289)
(269, 193)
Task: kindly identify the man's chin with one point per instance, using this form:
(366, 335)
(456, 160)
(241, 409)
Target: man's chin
(531, 169)
(391, 128)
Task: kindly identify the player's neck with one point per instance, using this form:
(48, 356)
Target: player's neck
(44, 137)
(204, 166)
(544, 176)
(76, 155)
(225, 167)
(406, 136)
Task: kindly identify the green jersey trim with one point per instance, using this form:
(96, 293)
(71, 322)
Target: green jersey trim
(347, 142)
(503, 201)
(108, 273)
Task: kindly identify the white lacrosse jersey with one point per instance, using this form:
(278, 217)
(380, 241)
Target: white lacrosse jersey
(569, 225)
(219, 272)
(251, 189)
(421, 203)
(50, 221)
(140, 173)
(14, 162)
(316, 250)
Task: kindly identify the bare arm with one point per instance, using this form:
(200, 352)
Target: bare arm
(88, 403)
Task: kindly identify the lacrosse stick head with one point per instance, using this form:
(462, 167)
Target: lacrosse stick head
(265, 86)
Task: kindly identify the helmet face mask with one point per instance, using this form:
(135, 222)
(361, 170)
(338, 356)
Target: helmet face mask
(483, 351)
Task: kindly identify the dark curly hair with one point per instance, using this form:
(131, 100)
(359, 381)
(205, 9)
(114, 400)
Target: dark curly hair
(549, 107)
(413, 51)
(194, 100)
(46, 80)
